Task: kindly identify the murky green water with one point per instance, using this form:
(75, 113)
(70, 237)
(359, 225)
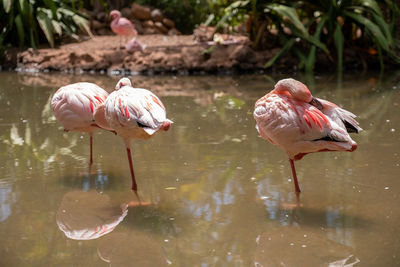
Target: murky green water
(214, 193)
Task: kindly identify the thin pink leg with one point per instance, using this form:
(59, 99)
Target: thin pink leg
(134, 185)
(91, 149)
(296, 184)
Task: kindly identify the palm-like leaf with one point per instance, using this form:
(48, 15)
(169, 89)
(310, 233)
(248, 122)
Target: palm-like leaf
(46, 26)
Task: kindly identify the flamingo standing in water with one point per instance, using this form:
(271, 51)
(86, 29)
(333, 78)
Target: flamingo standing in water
(73, 106)
(121, 26)
(291, 118)
(134, 113)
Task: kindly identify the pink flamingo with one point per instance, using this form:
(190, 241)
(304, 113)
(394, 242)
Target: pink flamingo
(73, 106)
(134, 45)
(134, 113)
(291, 118)
(121, 26)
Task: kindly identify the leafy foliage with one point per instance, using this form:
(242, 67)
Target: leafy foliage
(27, 22)
(303, 27)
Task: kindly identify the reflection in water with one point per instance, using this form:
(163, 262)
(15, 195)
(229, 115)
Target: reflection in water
(296, 246)
(7, 199)
(88, 215)
(217, 186)
(132, 248)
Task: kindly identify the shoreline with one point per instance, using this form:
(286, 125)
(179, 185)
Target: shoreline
(166, 55)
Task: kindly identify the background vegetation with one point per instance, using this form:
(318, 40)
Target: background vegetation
(27, 23)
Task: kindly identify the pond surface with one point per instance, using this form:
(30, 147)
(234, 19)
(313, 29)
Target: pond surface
(214, 193)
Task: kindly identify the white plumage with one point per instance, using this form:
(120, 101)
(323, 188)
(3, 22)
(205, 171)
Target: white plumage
(73, 106)
(134, 113)
(298, 123)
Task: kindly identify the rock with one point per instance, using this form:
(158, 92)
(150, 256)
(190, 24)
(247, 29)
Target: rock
(104, 31)
(148, 24)
(243, 53)
(126, 12)
(156, 15)
(101, 16)
(174, 31)
(138, 26)
(192, 56)
(97, 24)
(159, 26)
(203, 33)
(169, 23)
(148, 30)
(140, 12)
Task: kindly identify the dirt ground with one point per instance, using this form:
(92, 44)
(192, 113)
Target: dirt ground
(162, 54)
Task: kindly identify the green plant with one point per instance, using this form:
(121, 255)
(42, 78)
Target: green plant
(226, 14)
(303, 28)
(26, 22)
(355, 24)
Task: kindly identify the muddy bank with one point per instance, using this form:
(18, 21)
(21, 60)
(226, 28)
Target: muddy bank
(178, 54)
(162, 54)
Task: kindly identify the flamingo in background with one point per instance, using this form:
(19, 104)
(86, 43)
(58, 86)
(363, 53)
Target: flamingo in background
(73, 106)
(121, 26)
(134, 113)
(291, 118)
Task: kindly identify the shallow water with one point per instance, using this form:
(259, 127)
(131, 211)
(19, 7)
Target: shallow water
(214, 193)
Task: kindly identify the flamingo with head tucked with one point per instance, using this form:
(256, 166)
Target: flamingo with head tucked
(73, 106)
(134, 113)
(121, 26)
(291, 118)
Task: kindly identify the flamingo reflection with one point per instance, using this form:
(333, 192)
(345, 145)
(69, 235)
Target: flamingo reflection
(88, 215)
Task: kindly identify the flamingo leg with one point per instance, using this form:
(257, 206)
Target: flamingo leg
(134, 185)
(296, 183)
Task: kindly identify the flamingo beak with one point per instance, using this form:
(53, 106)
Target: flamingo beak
(316, 103)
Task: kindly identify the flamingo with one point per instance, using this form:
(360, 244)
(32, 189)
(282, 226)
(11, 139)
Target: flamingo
(73, 106)
(134, 45)
(134, 113)
(121, 26)
(291, 118)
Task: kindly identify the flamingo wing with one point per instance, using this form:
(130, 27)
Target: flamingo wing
(341, 116)
(136, 107)
(300, 128)
(73, 105)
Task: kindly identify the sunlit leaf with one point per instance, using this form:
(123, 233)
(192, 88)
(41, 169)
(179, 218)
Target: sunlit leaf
(56, 27)
(82, 23)
(7, 5)
(46, 26)
(209, 19)
(372, 28)
(24, 6)
(290, 14)
(373, 5)
(50, 4)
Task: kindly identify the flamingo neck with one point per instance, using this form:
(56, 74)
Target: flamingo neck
(295, 88)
